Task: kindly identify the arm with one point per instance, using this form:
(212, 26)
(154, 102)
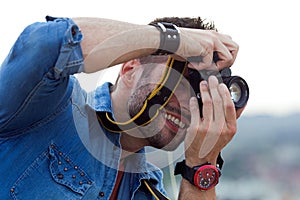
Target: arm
(188, 191)
(110, 42)
(36, 73)
(208, 136)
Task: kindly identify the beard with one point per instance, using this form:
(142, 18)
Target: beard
(136, 100)
(156, 134)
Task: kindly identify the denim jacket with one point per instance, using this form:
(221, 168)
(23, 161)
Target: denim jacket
(51, 143)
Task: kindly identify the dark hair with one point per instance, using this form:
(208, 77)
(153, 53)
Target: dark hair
(188, 22)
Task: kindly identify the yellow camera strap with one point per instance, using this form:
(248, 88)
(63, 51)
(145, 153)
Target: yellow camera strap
(159, 97)
(155, 192)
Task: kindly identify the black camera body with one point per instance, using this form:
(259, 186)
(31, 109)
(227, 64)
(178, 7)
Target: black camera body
(236, 85)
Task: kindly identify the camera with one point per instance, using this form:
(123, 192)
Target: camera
(236, 85)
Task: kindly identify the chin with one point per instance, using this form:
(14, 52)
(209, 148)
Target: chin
(168, 144)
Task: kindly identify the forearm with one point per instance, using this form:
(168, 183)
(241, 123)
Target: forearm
(189, 191)
(109, 42)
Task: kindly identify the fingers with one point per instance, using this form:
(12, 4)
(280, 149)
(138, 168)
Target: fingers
(216, 118)
(229, 113)
(228, 105)
(207, 108)
(226, 59)
(195, 116)
(209, 43)
(192, 139)
(211, 133)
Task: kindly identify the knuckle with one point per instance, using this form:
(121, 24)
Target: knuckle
(229, 105)
(236, 47)
(207, 102)
(232, 130)
(228, 36)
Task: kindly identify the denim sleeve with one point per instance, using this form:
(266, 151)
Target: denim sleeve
(35, 76)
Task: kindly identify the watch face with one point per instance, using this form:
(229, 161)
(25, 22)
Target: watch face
(206, 177)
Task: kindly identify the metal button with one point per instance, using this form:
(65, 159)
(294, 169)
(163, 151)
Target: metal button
(74, 176)
(82, 174)
(60, 176)
(73, 31)
(80, 182)
(75, 167)
(65, 169)
(101, 194)
(59, 162)
(12, 190)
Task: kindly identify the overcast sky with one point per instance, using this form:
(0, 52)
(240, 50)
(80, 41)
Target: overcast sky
(267, 31)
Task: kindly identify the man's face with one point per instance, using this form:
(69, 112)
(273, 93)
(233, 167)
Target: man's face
(168, 129)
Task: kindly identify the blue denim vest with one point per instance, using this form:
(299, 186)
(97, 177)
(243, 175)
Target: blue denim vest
(51, 143)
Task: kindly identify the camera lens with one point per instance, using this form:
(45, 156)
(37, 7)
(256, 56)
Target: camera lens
(235, 92)
(238, 89)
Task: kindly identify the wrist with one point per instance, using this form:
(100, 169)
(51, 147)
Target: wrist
(191, 162)
(189, 191)
(204, 177)
(169, 38)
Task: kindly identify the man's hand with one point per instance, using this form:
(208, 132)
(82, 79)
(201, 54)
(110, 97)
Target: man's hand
(203, 43)
(207, 136)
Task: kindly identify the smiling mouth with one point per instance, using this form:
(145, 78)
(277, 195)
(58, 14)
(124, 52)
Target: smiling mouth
(174, 120)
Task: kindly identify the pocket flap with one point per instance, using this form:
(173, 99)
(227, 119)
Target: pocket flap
(66, 173)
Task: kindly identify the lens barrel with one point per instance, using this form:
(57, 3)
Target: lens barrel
(238, 89)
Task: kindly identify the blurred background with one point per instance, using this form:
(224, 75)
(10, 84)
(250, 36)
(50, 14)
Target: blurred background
(262, 162)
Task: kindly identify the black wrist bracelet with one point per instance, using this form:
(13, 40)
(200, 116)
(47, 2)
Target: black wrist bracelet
(169, 38)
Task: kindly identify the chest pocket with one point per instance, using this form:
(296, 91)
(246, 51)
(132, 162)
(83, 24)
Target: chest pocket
(53, 175)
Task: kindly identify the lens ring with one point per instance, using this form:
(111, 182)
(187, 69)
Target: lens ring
(239, 90)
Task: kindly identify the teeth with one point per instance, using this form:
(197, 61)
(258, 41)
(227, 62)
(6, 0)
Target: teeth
(175, 120)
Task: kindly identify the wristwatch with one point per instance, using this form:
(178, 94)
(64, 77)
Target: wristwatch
(204, 177)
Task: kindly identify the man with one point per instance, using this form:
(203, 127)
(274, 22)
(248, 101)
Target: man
(58, 142)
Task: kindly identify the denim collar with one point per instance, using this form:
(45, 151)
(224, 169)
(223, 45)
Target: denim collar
(102, 98)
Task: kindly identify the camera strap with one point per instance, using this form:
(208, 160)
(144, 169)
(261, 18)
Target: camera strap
(155, 192)
(157, 99)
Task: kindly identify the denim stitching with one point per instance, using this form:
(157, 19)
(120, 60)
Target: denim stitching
(38, 123)
(38, 160)
(23, 105)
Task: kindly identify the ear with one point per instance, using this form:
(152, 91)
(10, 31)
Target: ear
(128, 72)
